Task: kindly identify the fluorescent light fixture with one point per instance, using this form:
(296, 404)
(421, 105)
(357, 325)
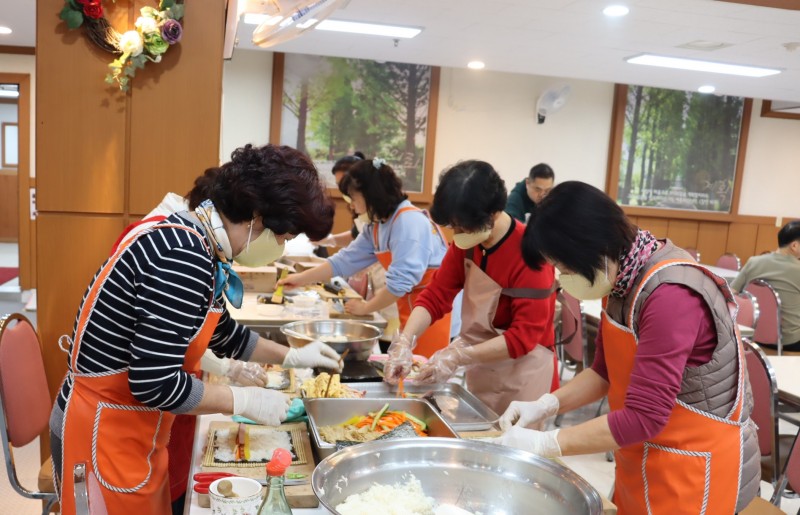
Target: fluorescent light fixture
(5, 30)
(476, 65)
(306, 24)
(4, 93)
(258, 19)
(706, 89)
(614, 11)
(371, 29)
(701, 66)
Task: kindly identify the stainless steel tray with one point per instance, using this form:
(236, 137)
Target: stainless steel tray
(326, 412)
(456, 404)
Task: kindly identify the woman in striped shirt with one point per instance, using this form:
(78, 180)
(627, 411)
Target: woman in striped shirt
(153, 309)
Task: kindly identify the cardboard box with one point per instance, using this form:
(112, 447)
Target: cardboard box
(260, 280)
(302, 263)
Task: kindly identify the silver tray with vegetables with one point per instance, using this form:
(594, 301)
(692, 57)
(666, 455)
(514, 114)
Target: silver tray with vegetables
(337, 423)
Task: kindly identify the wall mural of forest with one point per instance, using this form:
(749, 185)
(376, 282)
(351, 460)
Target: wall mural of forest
(679, 149)
(335, 106)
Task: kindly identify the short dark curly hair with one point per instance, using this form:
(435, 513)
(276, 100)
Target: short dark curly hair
(277, 183)
(468, 196)
(381, 188)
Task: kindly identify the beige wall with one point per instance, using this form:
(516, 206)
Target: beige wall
(246, 95)
(12, 63)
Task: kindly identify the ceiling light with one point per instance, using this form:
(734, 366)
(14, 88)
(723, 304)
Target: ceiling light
(258, 19)
(5, 30)
(701, 66)
(372, 29)
(706, 89)
(476, 65)
(614, 11)
(4, 93)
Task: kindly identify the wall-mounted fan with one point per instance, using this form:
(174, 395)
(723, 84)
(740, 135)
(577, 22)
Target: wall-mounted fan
(290, 18)
(551, 101)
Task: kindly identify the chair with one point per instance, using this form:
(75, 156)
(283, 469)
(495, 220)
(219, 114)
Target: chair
(768, 329)
(730, 261)
(88, 492)
(572, 322)
(24, 400)
(694, 253)
(747, 315)
(790, 476)
(764, 386)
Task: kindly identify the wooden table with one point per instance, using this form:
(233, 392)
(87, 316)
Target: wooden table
(254, 315)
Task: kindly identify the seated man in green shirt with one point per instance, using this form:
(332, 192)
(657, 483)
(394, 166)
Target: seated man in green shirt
(781, 269)
(527, 193)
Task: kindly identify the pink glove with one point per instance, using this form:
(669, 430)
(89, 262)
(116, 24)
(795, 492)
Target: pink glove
(541, 443)
(444, 363)
(398, 366)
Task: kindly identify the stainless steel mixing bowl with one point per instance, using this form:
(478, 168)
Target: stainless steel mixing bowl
(475, 476)
(358, 336)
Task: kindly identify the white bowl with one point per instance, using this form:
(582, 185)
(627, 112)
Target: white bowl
(248, 502)
(304, 301)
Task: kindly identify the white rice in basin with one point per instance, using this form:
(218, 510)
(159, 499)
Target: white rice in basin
(263, 442)
(398, 499)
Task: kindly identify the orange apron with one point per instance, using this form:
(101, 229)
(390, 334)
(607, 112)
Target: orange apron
(693, 466)
(121, 440)
(498, 383)
(437, 336)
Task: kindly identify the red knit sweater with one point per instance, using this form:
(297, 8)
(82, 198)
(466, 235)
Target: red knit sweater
(527, 322)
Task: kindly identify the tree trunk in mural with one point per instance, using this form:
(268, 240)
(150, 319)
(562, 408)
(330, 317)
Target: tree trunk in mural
(624, 195)
(302, 117)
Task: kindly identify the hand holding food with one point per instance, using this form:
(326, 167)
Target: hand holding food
(313, 355)
(398, 366)
(261, 405)
(444, 363)
(535, 412)
(246, 373)
(291, 281)
(356, 307)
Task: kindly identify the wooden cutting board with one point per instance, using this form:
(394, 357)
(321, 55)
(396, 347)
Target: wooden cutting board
(299, 496)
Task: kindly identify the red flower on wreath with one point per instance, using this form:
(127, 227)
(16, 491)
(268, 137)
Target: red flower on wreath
(93, 9)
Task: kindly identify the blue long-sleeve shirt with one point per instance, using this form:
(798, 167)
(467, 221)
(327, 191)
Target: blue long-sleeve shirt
(412, 239)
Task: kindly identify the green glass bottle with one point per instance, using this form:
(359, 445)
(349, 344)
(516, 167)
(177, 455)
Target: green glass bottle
(275, 502)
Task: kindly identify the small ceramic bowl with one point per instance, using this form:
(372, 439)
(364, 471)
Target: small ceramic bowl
(303, 301)
(247, 502)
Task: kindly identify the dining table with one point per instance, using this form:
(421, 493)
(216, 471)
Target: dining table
(786, 368)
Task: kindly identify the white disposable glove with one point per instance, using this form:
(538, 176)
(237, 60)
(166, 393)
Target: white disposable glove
(398, 366)
(242, 372)
(260, 405)
(532, 413)
(541, 443)
(313, 355)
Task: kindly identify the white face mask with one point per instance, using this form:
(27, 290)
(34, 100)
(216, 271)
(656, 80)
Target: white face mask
(260, 252)
(467, 240)
(364, 218)
(580, 287)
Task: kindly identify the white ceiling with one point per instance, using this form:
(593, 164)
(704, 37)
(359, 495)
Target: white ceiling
(561, 38)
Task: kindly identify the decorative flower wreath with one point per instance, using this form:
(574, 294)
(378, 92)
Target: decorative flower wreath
(156, 30)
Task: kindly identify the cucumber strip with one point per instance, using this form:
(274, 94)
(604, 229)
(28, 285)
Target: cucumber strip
(417, 421)
(378, 416)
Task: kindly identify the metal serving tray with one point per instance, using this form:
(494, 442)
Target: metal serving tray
(326, 412)
(460, 408)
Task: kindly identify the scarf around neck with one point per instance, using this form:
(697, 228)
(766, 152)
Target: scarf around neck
(631, 263)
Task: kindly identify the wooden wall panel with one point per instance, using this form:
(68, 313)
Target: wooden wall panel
(683, 233)
(9, 206)
(658, 226)
(742, 240)
(80, 119)
(767, 239)
(71, 249)
(712, 239)
(163, 94)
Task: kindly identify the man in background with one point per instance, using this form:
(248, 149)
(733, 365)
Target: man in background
(781, 269)
(527, 193)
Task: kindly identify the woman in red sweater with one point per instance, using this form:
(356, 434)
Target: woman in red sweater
(506, 334)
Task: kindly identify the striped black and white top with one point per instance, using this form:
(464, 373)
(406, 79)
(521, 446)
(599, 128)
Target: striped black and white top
(154, 301)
